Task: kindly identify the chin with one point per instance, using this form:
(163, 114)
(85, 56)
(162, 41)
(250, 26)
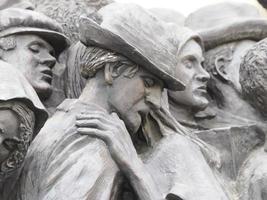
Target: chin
(133, 123)
(201, 103)
(44, 91)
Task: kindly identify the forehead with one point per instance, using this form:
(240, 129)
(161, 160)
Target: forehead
(191, 48)
(26, 39)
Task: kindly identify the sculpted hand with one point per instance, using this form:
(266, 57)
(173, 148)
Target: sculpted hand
(111, 129)
(113, 132)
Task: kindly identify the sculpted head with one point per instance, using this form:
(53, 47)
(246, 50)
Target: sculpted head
(223, 63)
(16, 132)
(34, 57)
(131, 90)
(253, 76)
(133, 65)
(190, 71)
(31, 42)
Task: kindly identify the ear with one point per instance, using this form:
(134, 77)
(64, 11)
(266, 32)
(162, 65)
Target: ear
(220, 67)
(112, 71)
(108, 73)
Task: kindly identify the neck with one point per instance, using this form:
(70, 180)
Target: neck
(95, 93)
(182, 113)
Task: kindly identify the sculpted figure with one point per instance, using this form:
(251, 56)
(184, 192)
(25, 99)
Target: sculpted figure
(229, 118)
(21, 117)
(31, 42)
(125, 77)
(225, 41)
(105, 156)
(184, 104)
(252, 179)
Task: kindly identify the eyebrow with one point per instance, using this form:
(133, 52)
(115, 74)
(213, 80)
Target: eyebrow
(201, 58)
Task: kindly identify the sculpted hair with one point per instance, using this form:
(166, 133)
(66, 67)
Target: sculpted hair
(253, 76)
(22, 142)
(84, 63)
(8, 43)
(217, 59)
(95, 58)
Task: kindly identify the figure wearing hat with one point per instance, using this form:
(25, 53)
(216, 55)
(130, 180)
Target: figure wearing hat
(96, 153)
(21, 117)
(31, 42)
(228, 30)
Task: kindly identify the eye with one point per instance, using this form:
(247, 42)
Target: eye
(52, 53)
(10, 144)
(149, 82)
(35, 48)
(188, 64)
(2, 131)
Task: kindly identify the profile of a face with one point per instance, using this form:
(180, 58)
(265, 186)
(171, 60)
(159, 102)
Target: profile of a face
(35, 58)
(133, 98)
(190, 71)
(9, 130)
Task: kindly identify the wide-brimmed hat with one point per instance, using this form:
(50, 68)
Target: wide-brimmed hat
(22, 21)
(135, 33)
(14, 86)
(227, 22)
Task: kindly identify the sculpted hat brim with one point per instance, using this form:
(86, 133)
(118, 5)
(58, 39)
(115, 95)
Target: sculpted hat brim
(57, 40)
(252, 29)
(134, 33)
(227, 22)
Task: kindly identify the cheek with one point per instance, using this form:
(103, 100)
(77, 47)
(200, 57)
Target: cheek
(185, 75)
(134, 92)
(124, 96)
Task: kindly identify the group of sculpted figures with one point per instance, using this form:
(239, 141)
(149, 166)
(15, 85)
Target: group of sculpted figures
(141, 107)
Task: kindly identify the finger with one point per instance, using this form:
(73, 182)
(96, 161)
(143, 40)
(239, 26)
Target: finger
(91, 112)
(105, 118)
(92, 123)
(93, 132)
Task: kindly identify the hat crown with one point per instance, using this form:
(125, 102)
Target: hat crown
(134, 32)
(220, 14)
(16, 17)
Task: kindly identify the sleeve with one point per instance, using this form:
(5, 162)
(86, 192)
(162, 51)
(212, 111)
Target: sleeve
(65, 165)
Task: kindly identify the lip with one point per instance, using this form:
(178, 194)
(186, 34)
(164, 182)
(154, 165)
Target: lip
(47, 75)
(202, 89)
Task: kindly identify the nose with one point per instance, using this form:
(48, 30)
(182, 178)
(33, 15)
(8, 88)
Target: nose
(48, 60)
(153, 97)
(202, 75)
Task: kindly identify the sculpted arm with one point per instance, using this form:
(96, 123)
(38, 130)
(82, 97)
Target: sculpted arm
(113, 132)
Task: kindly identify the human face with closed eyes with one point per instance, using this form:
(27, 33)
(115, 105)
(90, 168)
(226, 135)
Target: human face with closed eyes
(190, 71)
(35, 58)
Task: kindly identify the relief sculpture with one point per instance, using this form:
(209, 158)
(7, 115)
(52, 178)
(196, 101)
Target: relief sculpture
(101, 100)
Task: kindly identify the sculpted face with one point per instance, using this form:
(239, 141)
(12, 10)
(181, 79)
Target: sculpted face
(133, 97)
(9, 128)
(192, 74)
(35, 58)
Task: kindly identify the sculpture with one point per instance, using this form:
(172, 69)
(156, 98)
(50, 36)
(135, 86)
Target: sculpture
(143, 73)
(251, 181)
(21, 116)
(31, 44)
(225, 41)
(124, 136)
